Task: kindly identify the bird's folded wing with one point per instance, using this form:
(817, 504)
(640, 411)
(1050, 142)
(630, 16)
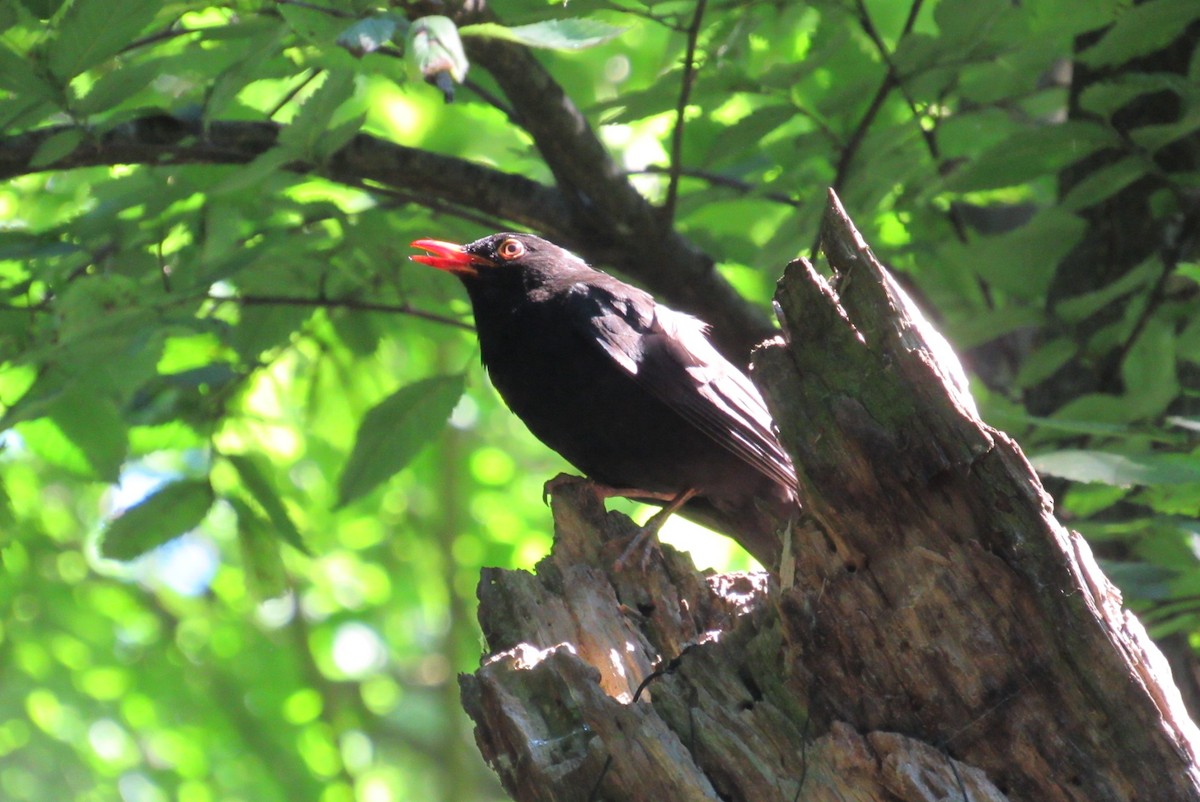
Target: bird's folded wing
(668, 353)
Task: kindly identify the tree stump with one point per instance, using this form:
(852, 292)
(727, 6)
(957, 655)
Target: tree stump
(938, 635)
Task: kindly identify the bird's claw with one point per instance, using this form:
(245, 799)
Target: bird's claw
(561, 480)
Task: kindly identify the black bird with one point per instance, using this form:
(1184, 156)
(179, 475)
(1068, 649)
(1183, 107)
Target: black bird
(628, 391)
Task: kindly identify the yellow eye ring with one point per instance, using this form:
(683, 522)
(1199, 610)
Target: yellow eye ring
(511, 249)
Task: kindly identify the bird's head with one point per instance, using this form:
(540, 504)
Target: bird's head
(495, 257)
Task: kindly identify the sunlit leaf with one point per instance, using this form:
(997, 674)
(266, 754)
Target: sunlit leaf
(165, 514)
(118, 85)
(75, 430)
(394, 431)
(260, 553)
(368, 35)
(260, 488)
(90, 33)
(1117, 469)
(316, 112)
(561, 34)
(56, 147)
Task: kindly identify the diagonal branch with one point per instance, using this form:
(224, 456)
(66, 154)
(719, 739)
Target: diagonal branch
(621, 232)
(431, 179)
(891, 80)
(615, 224)
(685, 92)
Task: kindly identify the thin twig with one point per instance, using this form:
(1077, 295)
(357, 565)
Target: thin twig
(434, 205)
(340, 303)
(928, 135)
(169, 32)
(492, 100)
(716, 179)
(295, 90)
(685, 92)
(890, 81)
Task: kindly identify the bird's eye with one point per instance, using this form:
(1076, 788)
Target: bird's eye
(511, 249)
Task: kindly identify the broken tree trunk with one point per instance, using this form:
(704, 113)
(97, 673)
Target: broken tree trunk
(943, 637)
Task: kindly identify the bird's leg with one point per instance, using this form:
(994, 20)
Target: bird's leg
(651, 527)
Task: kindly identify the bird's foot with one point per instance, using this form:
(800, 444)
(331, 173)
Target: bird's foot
(560, 481)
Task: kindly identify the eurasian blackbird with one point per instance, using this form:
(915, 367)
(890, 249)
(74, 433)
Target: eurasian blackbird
(630, 392)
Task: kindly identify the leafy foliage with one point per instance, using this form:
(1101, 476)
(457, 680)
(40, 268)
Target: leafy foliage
(219, 334)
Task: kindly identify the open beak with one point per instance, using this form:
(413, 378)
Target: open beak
(449, 257)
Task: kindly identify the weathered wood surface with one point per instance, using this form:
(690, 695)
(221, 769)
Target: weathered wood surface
(944, 637)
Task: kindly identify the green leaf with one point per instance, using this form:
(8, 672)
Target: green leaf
(368, 35)
(17, 75)
(1050, 234)
(312, 24)
(119, 85)
(1151, 138)
(435, 49)
(43, 9)
(259, 48)
(562, 34)
(1102, 184)
(394, 432)
(1141, 580)
(165, 514)
(56, 147)
(94, 30)
(260, 488)
(1084, 306)
(1085, 499)
(300, 137)
(75, 430)
(261, 560)
(1044, 360)
(253, 174)
(752, 128)
(1148, 371)
(1031, 153)
(1142, 28)
(969, 20)
(1105, 97)
(1118, 469)
(337, 137)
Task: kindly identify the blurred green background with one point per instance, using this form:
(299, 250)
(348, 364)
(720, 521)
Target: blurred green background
(240, 547)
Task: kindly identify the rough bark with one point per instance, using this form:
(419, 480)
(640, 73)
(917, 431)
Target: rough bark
(945, 637)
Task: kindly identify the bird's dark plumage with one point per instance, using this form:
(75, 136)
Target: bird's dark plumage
(628, 391)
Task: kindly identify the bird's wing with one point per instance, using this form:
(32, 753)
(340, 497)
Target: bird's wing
(668, 353)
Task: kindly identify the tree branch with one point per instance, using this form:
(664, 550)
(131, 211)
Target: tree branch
(664, 262)
(431, 178)
(341, 303)
(615, 225)
(685, 92)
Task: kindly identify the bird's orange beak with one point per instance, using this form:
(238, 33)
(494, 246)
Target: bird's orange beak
(449, 257)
